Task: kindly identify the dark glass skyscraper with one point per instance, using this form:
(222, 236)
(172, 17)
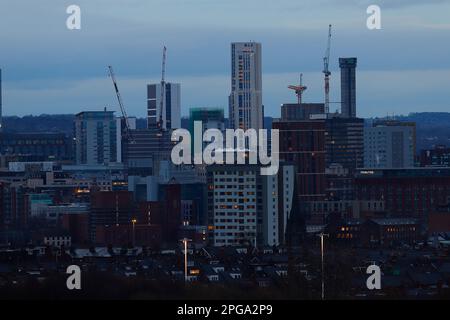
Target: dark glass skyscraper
(302, 143)
(344, 142)
(348, 87)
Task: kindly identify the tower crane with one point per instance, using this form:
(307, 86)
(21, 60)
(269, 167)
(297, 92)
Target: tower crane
(128, 135)
(299, 89)
(163, 91)
(327, 73)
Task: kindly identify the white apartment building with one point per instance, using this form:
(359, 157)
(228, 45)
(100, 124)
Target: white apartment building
(171, 107)
(245, 101)
(286, 177)
(390, 144)
(243, 205)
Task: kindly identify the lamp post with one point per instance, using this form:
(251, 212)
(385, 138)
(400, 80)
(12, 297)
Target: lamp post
(185, 243)
(133, 221)
(322, 235)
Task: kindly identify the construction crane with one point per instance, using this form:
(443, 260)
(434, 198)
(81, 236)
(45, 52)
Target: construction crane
(127, 132)
(163, 91)
(327, 73)
(299, 89)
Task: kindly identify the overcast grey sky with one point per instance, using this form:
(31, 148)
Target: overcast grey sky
(402, 68)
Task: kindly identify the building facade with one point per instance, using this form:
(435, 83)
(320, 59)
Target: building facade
(344, 142)
(245, 101)
(411, 192)
(286, 198)
(344, 154)
(110, 208)
(37, 146)
(95, 137)
(242, 206)
(171, 113)
(348, 87)
(13, 212)
(302, 111)
(390, 144)
(143, 153)
(211, 118)
(302, 143)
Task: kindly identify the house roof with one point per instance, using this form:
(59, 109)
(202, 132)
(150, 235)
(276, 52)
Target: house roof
(445, 267)
(429, 278)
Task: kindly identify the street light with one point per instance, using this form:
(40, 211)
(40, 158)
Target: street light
(185, 243)
(133, 221)
(322, 235)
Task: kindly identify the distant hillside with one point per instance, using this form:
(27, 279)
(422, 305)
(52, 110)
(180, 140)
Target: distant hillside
(47, 123)
(42, 123)
(432, 127)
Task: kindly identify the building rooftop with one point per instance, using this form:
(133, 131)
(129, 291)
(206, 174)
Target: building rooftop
(403, 172)
(91, 115)
(394, 221)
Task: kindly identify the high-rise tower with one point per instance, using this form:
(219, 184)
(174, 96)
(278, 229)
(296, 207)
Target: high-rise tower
(171, 117)
(95, 137)
(245, 101)
(348, 87)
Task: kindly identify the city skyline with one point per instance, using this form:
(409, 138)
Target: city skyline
(66, 71)
(233, 155)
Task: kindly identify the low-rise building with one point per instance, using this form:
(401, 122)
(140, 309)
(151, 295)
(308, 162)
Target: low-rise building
(57, 240)
(391, 231)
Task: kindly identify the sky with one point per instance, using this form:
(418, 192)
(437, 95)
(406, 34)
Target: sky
(403, 67)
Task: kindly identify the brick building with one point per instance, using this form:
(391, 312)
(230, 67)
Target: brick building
(391, 231)
(302, 143)
(77, 226)
(411, 192)
(165, 213)
(127, 235)
(374, 232)
(110, 208)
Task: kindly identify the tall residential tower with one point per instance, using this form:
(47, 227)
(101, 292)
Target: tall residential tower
(95, 137)
(245, 101)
